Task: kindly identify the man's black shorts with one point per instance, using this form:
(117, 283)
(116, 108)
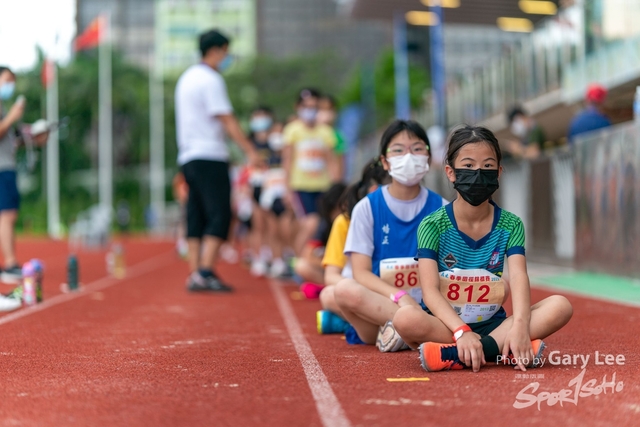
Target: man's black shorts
(209, 204)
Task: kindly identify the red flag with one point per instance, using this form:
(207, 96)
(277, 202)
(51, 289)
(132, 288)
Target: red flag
(47, 72)
(91, 36)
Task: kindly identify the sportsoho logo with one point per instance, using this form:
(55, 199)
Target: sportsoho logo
(578, 387)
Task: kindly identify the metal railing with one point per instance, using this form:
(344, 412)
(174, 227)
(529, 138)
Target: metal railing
(530, 68)
(607, 194)
(540, 192)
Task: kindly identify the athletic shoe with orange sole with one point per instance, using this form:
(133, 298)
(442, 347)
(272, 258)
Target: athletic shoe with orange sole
(538, 349)
(439, 357)
(443, 357)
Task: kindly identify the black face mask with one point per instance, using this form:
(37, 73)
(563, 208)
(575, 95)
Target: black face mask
(476, 185)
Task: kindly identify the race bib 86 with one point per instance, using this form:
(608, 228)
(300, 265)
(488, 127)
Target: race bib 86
(402, 273)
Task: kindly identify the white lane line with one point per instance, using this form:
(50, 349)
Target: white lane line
(327, 404)
(103, 283)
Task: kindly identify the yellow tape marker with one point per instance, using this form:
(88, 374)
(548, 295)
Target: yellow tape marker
(297, 295)
(404, 380)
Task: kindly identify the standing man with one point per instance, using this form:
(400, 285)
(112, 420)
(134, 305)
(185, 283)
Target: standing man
(592, 117)
(203, 114)
(9, 196)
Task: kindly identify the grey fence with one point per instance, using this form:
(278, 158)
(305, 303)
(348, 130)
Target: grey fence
(607, 187)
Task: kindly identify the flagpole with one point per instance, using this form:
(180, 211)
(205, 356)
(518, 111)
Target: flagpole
(53, 154)
(105, 137)
(156, 122)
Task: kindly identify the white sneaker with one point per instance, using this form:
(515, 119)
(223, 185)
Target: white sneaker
(182, 248)
(229, 254)
(265, 253)
(258, 268)
(278, 268)
(389, 339)
(9, 304)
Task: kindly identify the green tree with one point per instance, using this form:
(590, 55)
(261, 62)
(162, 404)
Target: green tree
(384, 87)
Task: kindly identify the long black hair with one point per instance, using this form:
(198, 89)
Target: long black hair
(327, 204)
(468, 134)
(372, 173)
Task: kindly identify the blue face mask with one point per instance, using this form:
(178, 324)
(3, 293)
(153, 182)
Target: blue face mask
(6, 90)
(307, 115)
(260, 124)
(225, 63)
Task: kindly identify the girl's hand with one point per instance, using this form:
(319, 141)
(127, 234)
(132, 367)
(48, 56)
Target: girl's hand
(470, 350)
(518, 341)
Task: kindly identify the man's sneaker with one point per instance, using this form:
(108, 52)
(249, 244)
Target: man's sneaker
(9, 304)
(389, 339)
(197, 283)
(439, 357)
(11, 274)
(258, 268)
(278, 268)
(538, 348)
(330, 323)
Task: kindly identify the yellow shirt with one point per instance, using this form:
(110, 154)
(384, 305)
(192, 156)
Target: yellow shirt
(311, 146)
(334, 251)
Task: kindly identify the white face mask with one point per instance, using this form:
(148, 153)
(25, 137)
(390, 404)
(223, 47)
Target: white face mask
(276, 141)
(519, 128)
(408, 169)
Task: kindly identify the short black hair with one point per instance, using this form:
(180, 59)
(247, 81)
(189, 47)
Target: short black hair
(332, 100)
(3, 69)
(398, 126)
(263, 109)
(307, 93)
(516, 111)
(211, 39)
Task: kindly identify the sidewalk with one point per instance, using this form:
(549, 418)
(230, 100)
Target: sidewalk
(618, 289)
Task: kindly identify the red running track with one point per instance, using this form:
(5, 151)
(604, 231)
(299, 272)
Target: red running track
(143, 352)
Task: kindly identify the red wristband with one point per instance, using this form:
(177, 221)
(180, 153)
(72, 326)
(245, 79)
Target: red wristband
(459, 331)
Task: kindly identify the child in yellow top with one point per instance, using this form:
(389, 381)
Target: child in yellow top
(307, 154)
(336, 264)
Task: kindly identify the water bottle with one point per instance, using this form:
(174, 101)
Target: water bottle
(38, 269)
(119, 265)
(72, 273)
(636, 106)
(28, 284)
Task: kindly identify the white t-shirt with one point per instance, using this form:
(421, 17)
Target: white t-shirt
(201, 95)
(360, 235)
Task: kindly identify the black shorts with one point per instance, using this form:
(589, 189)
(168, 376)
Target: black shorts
(209, 204)
(257, 191)
(481, 328)
(487, 326)
(278, 207)
(9, 196)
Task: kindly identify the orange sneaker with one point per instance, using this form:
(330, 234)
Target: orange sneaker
(538, 348)
(439, 357)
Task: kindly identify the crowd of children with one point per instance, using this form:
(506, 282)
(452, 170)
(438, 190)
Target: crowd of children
(393, 263)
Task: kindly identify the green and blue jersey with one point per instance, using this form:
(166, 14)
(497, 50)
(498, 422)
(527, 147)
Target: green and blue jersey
(440, 239)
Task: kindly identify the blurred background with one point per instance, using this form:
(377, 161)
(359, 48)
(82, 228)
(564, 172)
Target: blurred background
(441, 62)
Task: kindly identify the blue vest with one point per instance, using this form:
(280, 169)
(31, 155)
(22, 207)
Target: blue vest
(393, 237)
